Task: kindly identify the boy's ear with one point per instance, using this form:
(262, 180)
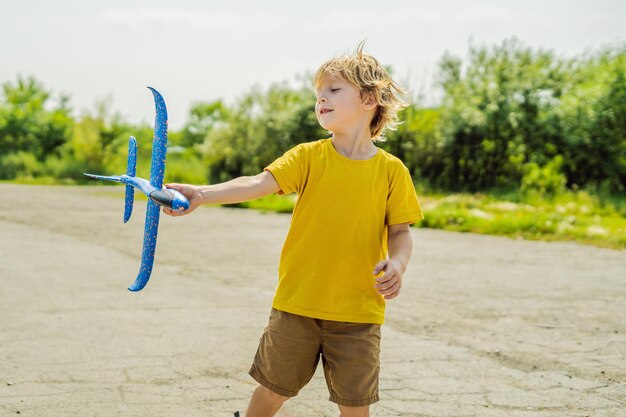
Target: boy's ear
(369, 101)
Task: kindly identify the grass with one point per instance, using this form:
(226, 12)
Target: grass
(578, 217)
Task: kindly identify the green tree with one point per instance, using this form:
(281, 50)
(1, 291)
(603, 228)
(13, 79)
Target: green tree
(418, 143)
(99, 144)
(495, 113)
(592, 121)
(32, 122)
(202, 118)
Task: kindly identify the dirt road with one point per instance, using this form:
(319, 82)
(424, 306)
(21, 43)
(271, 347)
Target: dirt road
(485, 326)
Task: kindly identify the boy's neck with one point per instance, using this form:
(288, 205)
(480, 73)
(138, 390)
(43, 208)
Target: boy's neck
(354, 146)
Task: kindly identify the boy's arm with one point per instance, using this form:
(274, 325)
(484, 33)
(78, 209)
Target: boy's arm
(400, 246)
(234, 191)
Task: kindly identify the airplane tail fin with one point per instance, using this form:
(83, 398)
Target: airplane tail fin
(115, 178)
(130, 171)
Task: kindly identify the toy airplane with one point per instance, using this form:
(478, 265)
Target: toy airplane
(157, 194)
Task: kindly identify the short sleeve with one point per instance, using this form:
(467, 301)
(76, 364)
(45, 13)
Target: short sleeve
(289, 170)
(402, 203)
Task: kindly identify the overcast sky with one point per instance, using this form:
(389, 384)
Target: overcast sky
(205, 50)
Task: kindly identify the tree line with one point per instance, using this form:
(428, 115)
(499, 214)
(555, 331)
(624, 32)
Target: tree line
(511, 117)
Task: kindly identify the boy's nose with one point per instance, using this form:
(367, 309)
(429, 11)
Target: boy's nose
(321, 99)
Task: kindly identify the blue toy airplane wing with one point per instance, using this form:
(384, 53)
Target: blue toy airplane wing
(159, 143)
(149, 246)
(131, 170)
(157, 172)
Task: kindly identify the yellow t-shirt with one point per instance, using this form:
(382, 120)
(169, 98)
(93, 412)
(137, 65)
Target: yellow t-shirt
(338, 230)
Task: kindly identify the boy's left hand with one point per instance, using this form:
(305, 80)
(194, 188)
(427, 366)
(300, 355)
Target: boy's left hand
(389, 284)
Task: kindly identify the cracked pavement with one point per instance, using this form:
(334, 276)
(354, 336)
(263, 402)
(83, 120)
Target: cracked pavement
(484, 326)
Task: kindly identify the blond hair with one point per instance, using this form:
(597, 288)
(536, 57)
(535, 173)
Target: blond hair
(366, 74)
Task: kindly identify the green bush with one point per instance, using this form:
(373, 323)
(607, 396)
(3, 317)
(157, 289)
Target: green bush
(19, 164)
(185, 167)
(544, 180)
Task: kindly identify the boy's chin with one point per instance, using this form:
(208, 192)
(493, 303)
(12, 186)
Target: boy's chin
(326, 126)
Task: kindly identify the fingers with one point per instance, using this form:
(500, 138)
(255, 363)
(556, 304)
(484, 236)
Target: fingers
(390, 289)
(389, 284)
(380, 266)
(388, 275)
(382, 280)
(181, 188)
(392, 295)
(173, 213)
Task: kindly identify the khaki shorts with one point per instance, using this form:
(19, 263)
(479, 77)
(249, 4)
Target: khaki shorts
(292, 345)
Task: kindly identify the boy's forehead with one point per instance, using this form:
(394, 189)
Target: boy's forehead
(329, 79)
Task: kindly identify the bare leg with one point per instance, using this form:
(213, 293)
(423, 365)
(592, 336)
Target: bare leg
(264, 403)
(345, 411)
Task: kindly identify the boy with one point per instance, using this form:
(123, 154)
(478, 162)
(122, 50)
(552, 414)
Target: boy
(355, 203)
